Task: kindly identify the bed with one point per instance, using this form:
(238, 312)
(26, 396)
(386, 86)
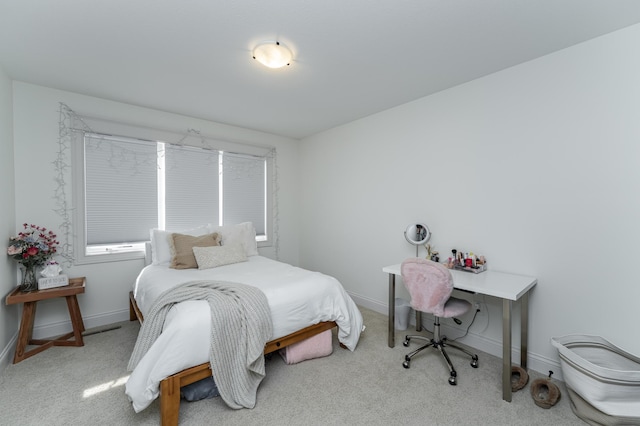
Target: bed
(302, 304)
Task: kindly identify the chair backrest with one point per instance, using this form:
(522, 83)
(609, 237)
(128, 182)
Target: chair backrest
(429, 283)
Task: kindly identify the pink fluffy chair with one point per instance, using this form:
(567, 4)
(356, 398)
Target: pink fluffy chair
(430, 285)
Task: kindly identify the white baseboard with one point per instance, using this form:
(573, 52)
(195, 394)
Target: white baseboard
(59, 328)
(370, 304)
(6, 356)
(535, 362)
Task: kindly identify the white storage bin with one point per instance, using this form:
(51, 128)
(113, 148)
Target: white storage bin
(604, 375)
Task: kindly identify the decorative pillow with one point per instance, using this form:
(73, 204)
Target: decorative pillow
(242, 233)
(212, 257)
(161, 246)
(182, 248)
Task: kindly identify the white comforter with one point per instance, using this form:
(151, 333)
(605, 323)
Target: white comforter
(297, 298)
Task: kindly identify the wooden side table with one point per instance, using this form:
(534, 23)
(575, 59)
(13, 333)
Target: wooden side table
(75, 287)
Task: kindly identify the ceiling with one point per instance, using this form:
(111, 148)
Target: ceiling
(352, 58)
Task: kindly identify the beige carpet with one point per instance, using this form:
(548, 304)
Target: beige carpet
(84, 386)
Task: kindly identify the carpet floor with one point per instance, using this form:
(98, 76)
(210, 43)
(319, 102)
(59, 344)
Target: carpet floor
(85, 386)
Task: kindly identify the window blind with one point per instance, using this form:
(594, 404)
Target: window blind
(191, 187)
(132, 186)
(244, 183)
(120, 190)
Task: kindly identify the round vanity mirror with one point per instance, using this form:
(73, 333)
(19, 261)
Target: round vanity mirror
(417, 234)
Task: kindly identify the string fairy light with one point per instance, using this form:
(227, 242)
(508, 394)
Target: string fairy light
(62, 170)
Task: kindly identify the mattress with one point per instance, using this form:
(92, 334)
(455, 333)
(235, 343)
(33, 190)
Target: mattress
(297, 298)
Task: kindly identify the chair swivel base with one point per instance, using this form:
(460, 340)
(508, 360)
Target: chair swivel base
(440, 345)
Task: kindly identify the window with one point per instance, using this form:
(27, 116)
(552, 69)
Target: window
(126, 186)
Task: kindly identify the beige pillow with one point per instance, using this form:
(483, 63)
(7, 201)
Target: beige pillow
(212, 257)
(182, 248)
(161, 242)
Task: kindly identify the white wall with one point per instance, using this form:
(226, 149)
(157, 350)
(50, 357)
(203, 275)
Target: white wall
(36, 143)
(8, 269)
(537, 167)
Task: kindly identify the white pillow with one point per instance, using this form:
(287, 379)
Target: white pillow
(214, 256)
(243, 234)
(161, 246)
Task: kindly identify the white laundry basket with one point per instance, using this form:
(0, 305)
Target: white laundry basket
(603, 376)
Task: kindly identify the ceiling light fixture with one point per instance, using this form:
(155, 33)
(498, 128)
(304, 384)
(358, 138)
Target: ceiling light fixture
(272, 54)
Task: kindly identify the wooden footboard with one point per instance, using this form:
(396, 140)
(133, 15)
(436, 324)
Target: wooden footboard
(170, 387)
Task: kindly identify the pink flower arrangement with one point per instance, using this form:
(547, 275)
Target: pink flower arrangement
(33, 246)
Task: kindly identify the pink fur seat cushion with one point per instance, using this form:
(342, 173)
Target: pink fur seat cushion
(455, 307)
(314, 347)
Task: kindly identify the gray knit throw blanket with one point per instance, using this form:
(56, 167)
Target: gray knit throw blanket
(240, 328)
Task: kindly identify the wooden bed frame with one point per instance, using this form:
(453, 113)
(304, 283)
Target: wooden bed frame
(170, 387)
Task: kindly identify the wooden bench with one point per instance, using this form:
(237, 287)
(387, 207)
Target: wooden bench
(30, 299)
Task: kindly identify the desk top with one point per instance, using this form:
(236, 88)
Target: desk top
(490, 283)
(76, 286)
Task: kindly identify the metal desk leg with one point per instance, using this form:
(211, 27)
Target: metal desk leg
(524, 329)
(392, 311)
(506, 350)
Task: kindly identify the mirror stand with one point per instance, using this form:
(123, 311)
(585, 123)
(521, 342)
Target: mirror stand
(417, 234)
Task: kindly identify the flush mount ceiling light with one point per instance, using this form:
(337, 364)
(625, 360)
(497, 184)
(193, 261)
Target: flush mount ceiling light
(272, 54)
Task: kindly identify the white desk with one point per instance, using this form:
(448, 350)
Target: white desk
(508, 287)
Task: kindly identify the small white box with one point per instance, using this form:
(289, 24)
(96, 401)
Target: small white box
(52, 282)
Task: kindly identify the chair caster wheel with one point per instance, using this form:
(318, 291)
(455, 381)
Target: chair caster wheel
(474, 361)
(406, 343)
(453, 381)
(406, 364)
